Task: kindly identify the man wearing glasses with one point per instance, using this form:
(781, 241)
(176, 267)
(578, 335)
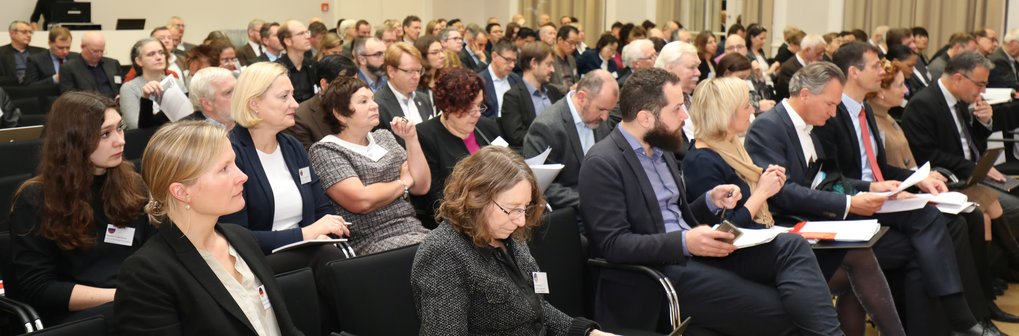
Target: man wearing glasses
(565, 65)
(637, 55)
(92, 71)
(499, 76)
(369, 60)
(296, 38)
(399, 97)
(14, 56)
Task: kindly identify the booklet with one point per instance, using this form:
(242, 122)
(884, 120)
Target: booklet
(846, 231)
(299, 244)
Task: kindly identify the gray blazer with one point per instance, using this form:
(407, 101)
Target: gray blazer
(389, 107)
(460, 289)
(556, 129)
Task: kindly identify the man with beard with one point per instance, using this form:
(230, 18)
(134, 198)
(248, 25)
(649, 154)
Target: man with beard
(652, 222)
(297, 40)
(530, 97)
(369, 52)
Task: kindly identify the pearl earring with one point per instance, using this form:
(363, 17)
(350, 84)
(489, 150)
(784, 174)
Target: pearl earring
(187, 207)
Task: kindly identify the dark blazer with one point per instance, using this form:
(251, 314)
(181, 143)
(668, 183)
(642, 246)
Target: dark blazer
(929, 126)
(590, 60)
(74, 76)
(491, 101)
(1003, 75)
(468, 62)
(518, 111)
(12, 114)
(246, 55)
(914, 85)
(389, 106)
(443, 151)
(260, 200)
(631, 230)
(309, 126)
(840, 140)
(705, 169)
(556, 129)
(704, 68)
(785, 73)
(783, 54)
(167, 288)
(8, 66)
(40, 69)
(773, 140)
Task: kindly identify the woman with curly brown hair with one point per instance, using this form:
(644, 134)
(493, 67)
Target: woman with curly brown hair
(75, 222)
(472, 274)
(459, 132)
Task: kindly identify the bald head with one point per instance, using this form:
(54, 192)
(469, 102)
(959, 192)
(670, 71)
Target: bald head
(93, 46)
(597, 94)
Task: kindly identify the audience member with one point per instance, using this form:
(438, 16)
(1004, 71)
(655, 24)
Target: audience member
(14, 56)
(452, 43)
(530, 97)
(433, 59)
(301, 70)
(369, 55)
(399, 98)
(957, 44)
(736, 65)
(308, 126)
(600, 57)
(547, 34)
(499, 77)
(330, 44)
(563, 62)
(367, 174)
(43, 67)
(680, 58)
(317, 30)
(178, 25)
(637, 55)
(92, 71)
(173, 62)
(570, 128)
(707, 48)
(473, 55)
(211, 91)
(491, 205)
(251, 50)
(810, 49)
(272, 47)
(74, 223)
(411, 29)
(792, 37)
(387, 34)
(877, 39)
(140, 97)
(757, 37)
(458, 132)
(182, 280)
(1004, 74)
(987, 40)
(285, 199)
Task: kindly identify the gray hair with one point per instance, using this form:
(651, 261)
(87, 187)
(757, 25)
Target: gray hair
(672, 52)
(815, 77)
(256, 23)
(811, 41)
(201, 84)
(632, 51)
(359, 45)
(965, 63)
(593, 81)
(1011, 35)
(445, 33)
(14, 25)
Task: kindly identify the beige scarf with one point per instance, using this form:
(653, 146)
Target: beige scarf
(735, 155)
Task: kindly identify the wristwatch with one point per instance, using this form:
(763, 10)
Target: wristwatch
(406, 189)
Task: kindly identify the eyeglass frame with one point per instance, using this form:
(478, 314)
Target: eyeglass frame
(520, 212)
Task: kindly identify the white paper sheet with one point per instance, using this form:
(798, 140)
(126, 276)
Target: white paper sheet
(174, 104)
(545, 174)
(499, 141)
(919, 175)
(540, 158)
(902, 205)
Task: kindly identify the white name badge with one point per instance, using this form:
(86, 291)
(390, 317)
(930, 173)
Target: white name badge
(305, 175)
(540, 282)
(117, 80)
(120, 236)
(264, 297)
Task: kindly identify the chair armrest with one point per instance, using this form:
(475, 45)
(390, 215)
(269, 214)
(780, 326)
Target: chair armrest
(346, 249)
(17, 309)
(947, 174)
(670, 292)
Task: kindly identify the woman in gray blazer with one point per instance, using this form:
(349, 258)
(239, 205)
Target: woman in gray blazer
(474, 274)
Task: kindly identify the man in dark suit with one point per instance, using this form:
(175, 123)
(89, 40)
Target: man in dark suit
(92, 71)
(499, 77)
(14, 56)
(783, 137)
(178, 27)
(301, 69)
(811, 50)
(309, 126)
(571, 126)
(399, 98)
(531, 96)
(1006, 71)
(248, 54)
(473, 55)
(272, 48)
(651, 221)
(43, 67)
(865, 161)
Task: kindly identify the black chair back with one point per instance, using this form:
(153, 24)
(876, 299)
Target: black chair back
(135, 141)
(21, 157)
(95, 325)
(302, 301)
(9, 185)
(371, 294)
(556, 246)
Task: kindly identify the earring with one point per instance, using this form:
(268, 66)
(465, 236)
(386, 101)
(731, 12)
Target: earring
(187, 206)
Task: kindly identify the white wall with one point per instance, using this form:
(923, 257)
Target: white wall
(635, 11)
(811, 16)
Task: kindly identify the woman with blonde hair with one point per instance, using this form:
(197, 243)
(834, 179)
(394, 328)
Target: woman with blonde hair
(197, 276)
(471, 276)
(285, 199)
(721, 112)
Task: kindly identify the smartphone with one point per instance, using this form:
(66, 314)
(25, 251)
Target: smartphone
(727, 226)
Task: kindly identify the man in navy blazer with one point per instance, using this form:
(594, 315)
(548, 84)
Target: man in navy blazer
(503, 59)
(785, 137)
(634, 207)
(583, 111)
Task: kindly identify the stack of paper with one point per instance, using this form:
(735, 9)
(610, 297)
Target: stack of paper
(846, 231)
(950, 202)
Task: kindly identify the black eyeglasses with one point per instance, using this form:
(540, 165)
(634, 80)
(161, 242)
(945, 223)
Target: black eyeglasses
(516, 213)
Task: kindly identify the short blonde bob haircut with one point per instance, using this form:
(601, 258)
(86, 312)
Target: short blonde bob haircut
(252, 84)
(714, 104)
(178, 152)
(472, 188)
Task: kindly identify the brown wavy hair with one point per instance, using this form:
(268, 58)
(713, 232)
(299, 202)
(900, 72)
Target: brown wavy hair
(888, 71)
(473, 185)
(456, 89)
(65, 174)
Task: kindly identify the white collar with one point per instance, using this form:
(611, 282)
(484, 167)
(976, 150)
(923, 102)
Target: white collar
(495, 78)
(798, 122)
(949, 97)
(399, 95)
(800, 59)
(372, 151)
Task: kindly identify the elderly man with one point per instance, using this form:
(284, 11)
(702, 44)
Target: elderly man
(14, 56)
(210, 91)
(570, 128)
(680, 58)
(296, 38)
(92, 71)
(1004, 74)
(547, 34)
(43, 67)
(178, 23)
(250, 52)
(812, 48)
(369, 56)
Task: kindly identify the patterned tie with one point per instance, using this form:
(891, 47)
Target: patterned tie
(962, 111)
(867, 147)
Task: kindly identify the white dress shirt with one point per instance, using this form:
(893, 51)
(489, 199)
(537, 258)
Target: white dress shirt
(407, 104)
(501, 85)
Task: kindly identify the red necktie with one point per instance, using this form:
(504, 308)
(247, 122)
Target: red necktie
(871, 157)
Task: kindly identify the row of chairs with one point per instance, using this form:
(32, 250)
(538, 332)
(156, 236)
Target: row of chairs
(34, 102)
(371, 295)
